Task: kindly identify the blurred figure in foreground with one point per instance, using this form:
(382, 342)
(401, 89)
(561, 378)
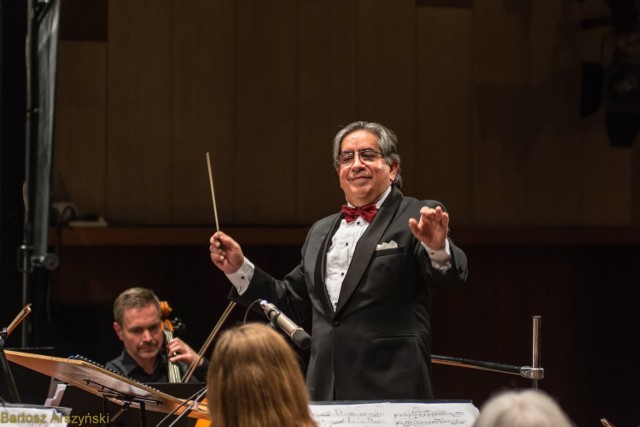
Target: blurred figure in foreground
(525, 408)
(255, 379)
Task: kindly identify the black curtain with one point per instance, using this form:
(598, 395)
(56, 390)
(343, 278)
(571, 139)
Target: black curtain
(12, 157)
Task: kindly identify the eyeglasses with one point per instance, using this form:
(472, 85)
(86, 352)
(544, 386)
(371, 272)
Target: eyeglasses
(366, 156)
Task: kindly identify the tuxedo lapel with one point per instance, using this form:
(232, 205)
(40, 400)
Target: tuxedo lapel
(367, 245)
(321, 265)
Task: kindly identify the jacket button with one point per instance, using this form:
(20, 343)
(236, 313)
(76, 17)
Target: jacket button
(336, 323)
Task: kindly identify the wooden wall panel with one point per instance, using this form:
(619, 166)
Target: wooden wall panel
(386, 79)
(99, 275)
(488, 95)
(267, 151)
(501, 135)
(203, 111)
(327, 59)
(606, 171)
(139, 111)
(607, 177)
(554, 171)
(444, 110)
(79, 172)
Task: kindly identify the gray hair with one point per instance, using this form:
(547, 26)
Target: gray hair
(528, 408)
(387, 141)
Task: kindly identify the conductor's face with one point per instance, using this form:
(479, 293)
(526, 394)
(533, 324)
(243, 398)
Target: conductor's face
(141, 333)
(363, 171)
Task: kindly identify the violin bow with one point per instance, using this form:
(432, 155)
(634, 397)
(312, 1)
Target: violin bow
(17, 320)
(207, 343)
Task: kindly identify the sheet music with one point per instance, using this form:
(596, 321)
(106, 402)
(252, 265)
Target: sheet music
(390, 414)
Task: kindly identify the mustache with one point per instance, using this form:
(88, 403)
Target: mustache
(359, 175)
(150, 345)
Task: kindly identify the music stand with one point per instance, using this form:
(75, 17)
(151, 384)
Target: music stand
(67, 395)
(111, 386)
(535, 372)
(6, 369)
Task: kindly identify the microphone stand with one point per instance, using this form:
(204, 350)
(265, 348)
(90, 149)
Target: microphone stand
(31, 136)
(36, 188)
(534, 372)
(4, 364)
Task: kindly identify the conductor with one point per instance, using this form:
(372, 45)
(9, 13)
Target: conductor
(366, 277)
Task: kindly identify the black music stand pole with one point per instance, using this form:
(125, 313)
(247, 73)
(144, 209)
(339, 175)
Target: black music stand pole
(4, 364)
(6, 369)
(105, 411)
(143, 415)
(127, 401)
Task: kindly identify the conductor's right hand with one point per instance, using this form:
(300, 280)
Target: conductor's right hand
(225, 253)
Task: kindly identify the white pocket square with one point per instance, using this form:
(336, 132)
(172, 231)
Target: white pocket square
(386, 245)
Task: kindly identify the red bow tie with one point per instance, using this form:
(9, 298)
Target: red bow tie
(366, 212)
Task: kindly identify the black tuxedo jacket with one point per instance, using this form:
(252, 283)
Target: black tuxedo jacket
(376, 345)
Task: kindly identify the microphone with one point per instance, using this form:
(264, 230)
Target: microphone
(295, 332)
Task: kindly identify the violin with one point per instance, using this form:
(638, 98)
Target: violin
(168, 328)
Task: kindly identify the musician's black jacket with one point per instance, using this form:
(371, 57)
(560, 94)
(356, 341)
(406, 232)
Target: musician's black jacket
(125, 365)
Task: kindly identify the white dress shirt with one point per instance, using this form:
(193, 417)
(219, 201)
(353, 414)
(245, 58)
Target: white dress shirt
(343, 245)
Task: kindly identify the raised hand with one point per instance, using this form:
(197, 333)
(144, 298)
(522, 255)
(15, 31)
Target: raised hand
(225, 253)
(432, 228)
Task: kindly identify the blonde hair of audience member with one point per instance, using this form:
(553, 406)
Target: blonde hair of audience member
(255, 380)
(526, 408)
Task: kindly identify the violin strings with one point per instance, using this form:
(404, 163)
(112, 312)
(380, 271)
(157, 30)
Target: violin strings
(173, 371)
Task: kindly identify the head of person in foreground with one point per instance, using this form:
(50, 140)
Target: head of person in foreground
(255, 379)
(522, 408)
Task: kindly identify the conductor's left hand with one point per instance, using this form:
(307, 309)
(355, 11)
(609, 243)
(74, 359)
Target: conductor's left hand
(432, 228)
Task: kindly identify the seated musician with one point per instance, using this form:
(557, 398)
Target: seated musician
(138, 323)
